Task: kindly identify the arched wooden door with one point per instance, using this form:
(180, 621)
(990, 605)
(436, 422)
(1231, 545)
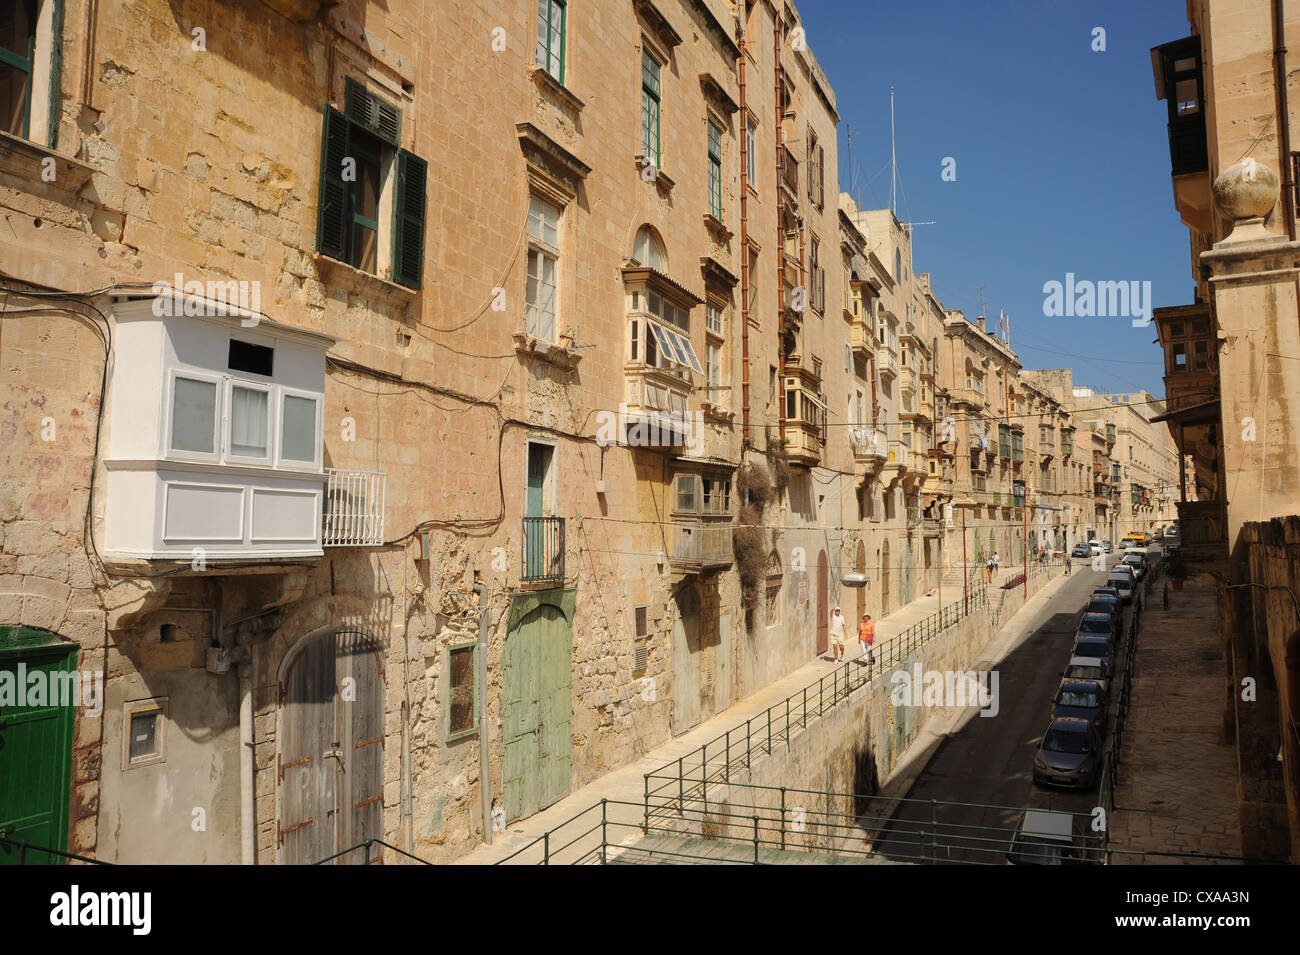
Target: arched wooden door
(331, 749)
(686, 660)
(823, 602)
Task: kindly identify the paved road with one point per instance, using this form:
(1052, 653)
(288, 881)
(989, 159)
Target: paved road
(990, 759)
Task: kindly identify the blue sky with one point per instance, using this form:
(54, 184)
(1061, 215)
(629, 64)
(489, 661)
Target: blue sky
(1061, 156)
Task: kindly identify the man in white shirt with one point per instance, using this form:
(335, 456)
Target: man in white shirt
(837, 634)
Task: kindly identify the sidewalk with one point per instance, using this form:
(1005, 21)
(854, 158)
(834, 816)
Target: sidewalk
(1177, 787)
(627, 784)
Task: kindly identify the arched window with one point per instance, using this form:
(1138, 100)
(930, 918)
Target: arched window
(648, 249)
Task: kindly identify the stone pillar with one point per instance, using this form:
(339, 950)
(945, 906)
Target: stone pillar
(1253, 274)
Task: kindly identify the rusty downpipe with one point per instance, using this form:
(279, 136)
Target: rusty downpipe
(484, 770)
(1284, 117)
(780, 227)
(1287, 170)
(745, 442)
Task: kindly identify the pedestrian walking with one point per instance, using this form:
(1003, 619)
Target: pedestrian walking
(997, 563)
(837, 633)
(867, 637)
(1067, 565)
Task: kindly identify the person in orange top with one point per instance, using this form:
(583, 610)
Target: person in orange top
(866, 637)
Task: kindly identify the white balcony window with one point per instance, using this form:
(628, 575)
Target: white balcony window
(300, 429)
(213, 435)
(194, 415)
(249, 411)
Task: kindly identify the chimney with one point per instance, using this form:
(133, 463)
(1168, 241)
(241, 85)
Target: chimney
(981, 323)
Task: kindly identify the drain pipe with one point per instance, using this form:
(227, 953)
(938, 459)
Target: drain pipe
(484, 776)
(780, 227)
(1284, 118)
(745, 277)
(247, 821)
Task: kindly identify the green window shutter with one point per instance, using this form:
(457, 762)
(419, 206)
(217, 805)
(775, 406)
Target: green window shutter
(374, 115)
(408, 220)
(331, 214)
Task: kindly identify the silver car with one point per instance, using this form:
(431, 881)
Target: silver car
(1123, 583)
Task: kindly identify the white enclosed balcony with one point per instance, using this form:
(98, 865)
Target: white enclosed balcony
(213, 426)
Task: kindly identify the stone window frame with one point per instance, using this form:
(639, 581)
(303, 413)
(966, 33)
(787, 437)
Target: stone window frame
(554, 175)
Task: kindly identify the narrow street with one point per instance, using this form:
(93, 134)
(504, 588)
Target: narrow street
(989, 760)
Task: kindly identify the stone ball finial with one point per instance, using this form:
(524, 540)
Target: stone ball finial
(1248, 189)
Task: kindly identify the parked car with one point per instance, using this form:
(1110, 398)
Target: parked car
(1107, 546)
(1170, 550)
(1104, 623)
(1049, 837)
(1137, 561)
(1088, 668)
(1081, 550)
(1094, 548)
(1137, 537)
(1095, 645)
(1069, 754)
(1112, 592)
(1085, 699)
(1122, 583)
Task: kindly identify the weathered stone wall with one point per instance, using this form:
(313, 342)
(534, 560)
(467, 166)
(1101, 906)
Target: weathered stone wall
(1259, 626)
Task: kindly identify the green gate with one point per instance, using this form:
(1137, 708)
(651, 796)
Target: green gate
(35, 742)
(537, 702)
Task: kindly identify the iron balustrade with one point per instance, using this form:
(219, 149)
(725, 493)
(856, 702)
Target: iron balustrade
(543, 550)
(40, 852)
(353, 515)
(736, 747)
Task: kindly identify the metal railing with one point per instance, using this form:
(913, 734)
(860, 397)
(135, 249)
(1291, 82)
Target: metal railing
(1123, 701)
(40, 854)
(543, 550)
(776, 725)
(370, 857)
(353, 515)
(750, 824)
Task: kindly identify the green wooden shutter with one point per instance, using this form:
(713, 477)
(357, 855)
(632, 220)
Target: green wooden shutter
(408, 220)
(332, 211)
(372, 113)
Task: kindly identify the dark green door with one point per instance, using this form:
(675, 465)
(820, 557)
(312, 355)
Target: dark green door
(35, 742)
(538, 712)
